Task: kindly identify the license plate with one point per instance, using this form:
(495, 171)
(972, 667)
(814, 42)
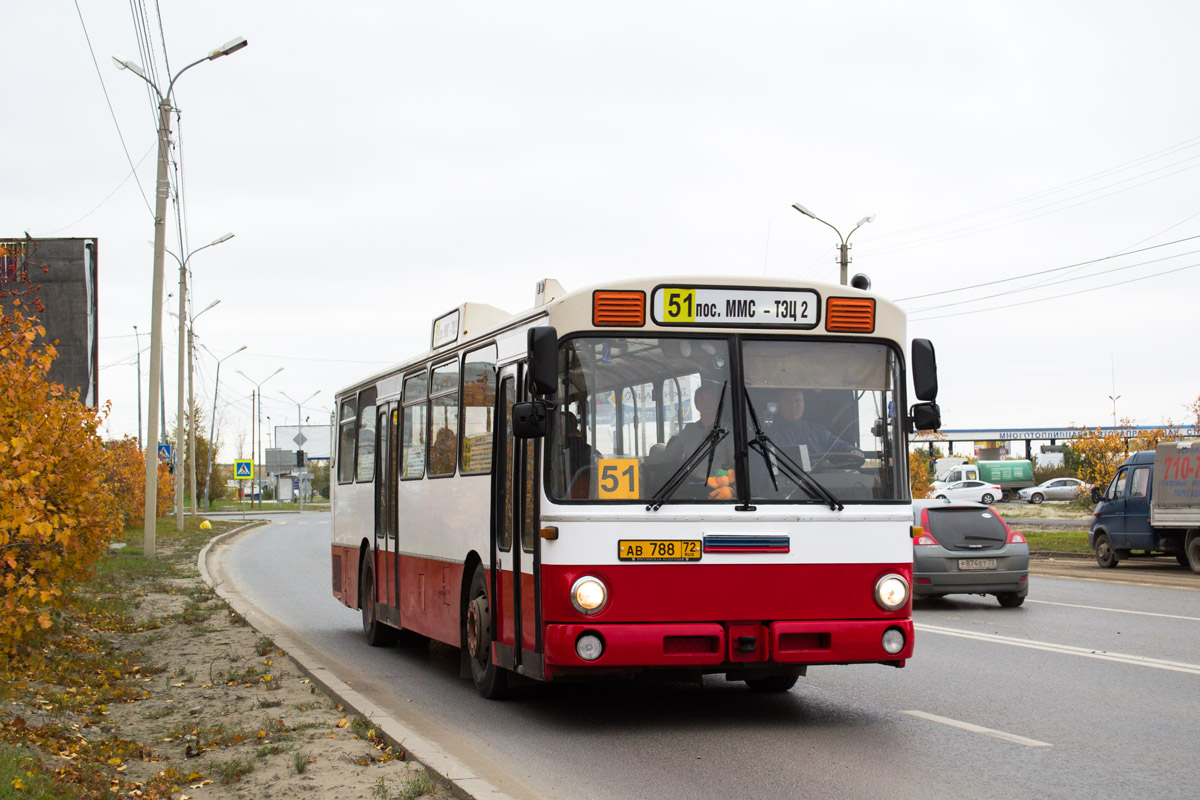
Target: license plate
(977, 563)
(658, 550)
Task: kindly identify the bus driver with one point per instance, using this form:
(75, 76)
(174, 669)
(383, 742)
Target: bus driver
(791, 429)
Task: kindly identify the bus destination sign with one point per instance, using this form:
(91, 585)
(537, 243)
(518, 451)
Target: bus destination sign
(713, 305)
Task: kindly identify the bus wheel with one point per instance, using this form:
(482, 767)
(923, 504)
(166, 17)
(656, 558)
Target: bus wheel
(490, 680)
(774, 683)
(378, 634)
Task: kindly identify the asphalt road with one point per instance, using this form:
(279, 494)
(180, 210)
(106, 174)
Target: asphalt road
(1088, 690)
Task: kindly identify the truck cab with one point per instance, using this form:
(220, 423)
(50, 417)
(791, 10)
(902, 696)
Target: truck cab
(1151, 508)
(963, 472)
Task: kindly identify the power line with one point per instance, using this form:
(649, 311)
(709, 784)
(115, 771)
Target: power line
(1056, 283)
(1046, 271)
(132, 167)
(1057, 296)
(1046, 192)
(1015, 219)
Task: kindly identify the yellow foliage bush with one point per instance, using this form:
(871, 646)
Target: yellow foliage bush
(126, 479)
(56, 514)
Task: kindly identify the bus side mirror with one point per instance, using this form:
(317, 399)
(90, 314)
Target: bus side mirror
(543, 361)
(925, 417)
(924, 369)
(530, 420)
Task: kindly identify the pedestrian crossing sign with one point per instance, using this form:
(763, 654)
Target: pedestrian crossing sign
(243, 469)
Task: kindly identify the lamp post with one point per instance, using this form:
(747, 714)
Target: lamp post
(184, 348)
(300, 435)
(258, 416)
(191, 404)
(844, 248)
(212, 428)
(139, 369)
(160, 216)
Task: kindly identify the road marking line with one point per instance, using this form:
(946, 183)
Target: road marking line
(1063, 649)
(1115, 610)
(967, 726)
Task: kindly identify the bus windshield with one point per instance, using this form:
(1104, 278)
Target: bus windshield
(659, 420)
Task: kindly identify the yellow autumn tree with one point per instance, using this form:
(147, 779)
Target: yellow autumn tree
(56, 515)
(920, 473)
(1095, 455)
(125, 477)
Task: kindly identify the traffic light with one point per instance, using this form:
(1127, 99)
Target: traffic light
(299, 458)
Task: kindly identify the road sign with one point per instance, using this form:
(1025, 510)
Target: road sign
(243, 469)
(300, 439)
(164, 452)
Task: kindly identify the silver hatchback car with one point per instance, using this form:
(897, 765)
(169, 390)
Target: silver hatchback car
(967, 548)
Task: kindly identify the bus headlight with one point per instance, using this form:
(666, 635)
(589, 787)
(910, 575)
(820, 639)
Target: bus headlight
(891, 592)
(589, 595)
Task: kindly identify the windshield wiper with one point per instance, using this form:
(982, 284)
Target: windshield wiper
(707, 449)
(764, 446)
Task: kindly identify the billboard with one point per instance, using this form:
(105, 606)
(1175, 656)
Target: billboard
(68, 291)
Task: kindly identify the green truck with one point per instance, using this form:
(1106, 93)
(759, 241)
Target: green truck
(1008, 475)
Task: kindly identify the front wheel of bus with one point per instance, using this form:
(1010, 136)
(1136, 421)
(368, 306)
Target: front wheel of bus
(490, 680)
(378, 634)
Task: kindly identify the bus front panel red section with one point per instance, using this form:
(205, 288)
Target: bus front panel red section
(708, 615)
(722, 592)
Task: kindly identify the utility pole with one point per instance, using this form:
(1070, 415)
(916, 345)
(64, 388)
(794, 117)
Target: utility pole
(212, 427)
(258, 416)
(160, 215)
(139, 369)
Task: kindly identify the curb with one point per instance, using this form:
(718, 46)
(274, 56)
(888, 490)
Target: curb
(446, 768)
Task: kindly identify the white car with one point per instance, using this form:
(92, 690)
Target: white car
(1055, 489)
(976, 491)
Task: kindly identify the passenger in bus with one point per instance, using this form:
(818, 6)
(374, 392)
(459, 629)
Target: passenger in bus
(442, 455)
(790, 428)
(705, 401)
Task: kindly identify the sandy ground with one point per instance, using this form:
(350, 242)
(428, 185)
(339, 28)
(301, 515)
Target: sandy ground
(236, 718)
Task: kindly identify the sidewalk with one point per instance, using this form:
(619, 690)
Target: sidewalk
(1160, 571)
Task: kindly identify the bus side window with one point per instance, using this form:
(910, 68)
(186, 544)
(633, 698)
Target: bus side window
(443, 420)
(346, 440)
(479, 402)
(412, 433)
(366, 436)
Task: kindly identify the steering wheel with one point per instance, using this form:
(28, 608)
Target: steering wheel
(831, 461)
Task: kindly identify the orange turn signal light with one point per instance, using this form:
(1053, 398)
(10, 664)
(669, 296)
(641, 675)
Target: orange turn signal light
(850, 314)
(622, 309)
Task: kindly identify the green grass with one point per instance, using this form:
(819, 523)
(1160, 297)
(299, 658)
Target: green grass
(19, 769)
(1056, 541)
(233, 769)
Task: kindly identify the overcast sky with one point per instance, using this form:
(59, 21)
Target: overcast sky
(382, 162)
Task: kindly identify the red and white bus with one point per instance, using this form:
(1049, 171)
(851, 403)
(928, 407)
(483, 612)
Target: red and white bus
(666, 477)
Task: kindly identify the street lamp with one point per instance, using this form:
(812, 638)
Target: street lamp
(160, 216)
(212, 429)
(257, 416)
(844, 249)
(191, 437)
(300, 436)
(179, 419)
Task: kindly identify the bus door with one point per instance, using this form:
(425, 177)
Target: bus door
(387, 574)
(516, 550)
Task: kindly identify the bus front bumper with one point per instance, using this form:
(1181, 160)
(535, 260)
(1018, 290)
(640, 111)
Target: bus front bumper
(730, 644)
